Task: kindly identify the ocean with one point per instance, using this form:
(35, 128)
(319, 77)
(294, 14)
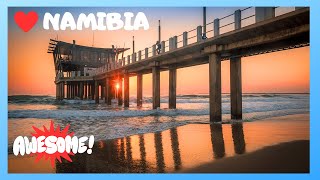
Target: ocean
(163, 140)
(110, 122)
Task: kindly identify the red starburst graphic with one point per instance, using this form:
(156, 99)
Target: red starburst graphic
(52, 132)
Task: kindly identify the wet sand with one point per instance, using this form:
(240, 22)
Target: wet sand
(289, 157)
(260, 146)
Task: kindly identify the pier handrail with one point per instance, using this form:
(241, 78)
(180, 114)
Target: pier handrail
(195, 35)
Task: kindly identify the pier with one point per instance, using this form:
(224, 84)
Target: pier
(93, 73)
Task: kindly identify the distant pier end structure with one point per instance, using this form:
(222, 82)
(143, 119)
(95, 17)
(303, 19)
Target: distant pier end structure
(100, 73)
(76, 66)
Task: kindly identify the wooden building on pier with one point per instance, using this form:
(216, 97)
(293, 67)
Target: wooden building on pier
(75, 66)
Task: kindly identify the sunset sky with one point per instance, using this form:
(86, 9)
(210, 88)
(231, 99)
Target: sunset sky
(31, 69)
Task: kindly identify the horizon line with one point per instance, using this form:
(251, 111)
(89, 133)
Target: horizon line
(177, 94)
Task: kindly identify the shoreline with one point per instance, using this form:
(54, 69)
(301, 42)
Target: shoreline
(187, 148)
(227, 122)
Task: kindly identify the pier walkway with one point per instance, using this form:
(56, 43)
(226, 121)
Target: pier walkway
(211, 43)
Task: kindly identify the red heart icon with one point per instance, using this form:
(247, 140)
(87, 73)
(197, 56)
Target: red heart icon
(26, 21)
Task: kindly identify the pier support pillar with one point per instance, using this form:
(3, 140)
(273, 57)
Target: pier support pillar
(156, 87)
(89, 90)
(126, 90)
(96, 92)
(59, 91)
(215, 88)
(102, 91)
(76, 87)
(68, 91)
(77, 90)
(56, 92)
(62, 90)
(60, 86)
(74, 90)
(71, 90)
(236, 88)
(108, 93)
(57, 96)
(85, 90)
(112, 89)
(81, 90)
(172, 88)
(120, 100)
(92, 90)
(139, 89)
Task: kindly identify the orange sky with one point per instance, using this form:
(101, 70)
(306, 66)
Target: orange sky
(31, 69)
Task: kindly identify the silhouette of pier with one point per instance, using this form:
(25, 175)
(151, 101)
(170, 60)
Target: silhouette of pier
(93, 73)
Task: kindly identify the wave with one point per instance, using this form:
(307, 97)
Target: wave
(62, 114)
(191, 98)
(186, 107)
(29, 99)
(67, 114)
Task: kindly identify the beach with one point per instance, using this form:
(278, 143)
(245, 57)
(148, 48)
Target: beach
(277, 144)
(280, 158)
(210, 90)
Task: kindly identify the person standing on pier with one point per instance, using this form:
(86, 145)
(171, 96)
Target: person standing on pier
(158, 47)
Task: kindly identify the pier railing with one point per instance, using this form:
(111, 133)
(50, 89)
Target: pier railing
(239, 19)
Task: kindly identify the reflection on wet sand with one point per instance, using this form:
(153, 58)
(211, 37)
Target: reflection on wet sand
(159, 152)
(134, 153)
(217, 141)
(142, 153)
(178, 149)
(238, 138)
(175, 148)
